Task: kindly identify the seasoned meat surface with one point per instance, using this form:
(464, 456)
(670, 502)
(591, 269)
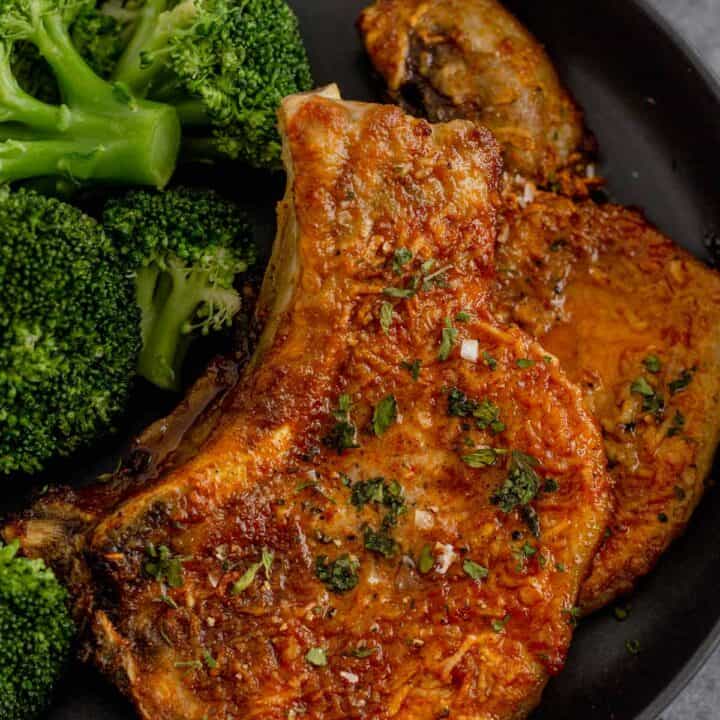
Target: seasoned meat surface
(599, 287)
(393, 514)
(635, 321)
(472, 59)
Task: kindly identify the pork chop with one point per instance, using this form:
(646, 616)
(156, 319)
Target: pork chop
(471, 59)
(395, 508)
(598, 286)
(635, 321)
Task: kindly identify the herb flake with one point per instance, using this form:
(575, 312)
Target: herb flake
(474, 570)
(449, 338)
(412, 367)
(384, 415)
(162, 566)
(339, 575)
(316, 656)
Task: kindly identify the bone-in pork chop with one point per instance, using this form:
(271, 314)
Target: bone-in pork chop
(598, 286)
(635, 321)
(471, 59)
(397, 504)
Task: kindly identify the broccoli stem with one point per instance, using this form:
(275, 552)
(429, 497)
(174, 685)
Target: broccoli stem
(141, 63)
(78, 84)
(100, 131)
(192, 113)
(167, 315)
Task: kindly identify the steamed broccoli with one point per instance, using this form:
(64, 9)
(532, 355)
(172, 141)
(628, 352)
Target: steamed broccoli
(224, 64)
(35, 634)
(98, 132)
(185, 249)
(69, 331)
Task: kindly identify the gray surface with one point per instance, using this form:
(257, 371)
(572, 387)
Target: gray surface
(699, 22)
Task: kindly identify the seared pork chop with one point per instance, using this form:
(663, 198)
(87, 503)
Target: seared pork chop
(598, 286)
(471, 59)
(635, 321)
(395, 508)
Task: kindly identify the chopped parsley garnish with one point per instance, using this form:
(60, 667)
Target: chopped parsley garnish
(621, 612)
(316, 656)
(482, 457)
(412, 367)
(524, 363)
(642, 387)
(426, 279)
(380, 543)
(653, 402)
(388, 495)
(682, 381)
(459, 405)
(210, 661)
(377, 490)
(339, 575)
(474, 570)
(486, 413)
(522, 484)
(652, 364)
(678, 423)
(425, 560)
(433, 279)
(531, 518)
(633, 646)
(386, 317)
(384, 415)
(573, 616)
(489, 360)
(248, 577)
(403, 293)
(498, 626)
(463, 317)
(401, 258)
(162, 566)
(449, 338)
(361, 652)
(189, 664)
(267, 560)
(343, 435)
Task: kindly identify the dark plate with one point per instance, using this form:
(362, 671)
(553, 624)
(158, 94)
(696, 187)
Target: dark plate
(656, 113)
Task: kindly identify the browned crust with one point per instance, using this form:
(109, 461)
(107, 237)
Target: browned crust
(602, 289)
(366, 180)
(472, 59)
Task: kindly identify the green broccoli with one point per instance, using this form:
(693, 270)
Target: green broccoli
(185, 249)
(99, 132)
(224, 64)
(69, 331)
(100, 39)
(36, 633)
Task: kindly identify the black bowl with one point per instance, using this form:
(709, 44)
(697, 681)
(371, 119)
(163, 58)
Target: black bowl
(656, 114)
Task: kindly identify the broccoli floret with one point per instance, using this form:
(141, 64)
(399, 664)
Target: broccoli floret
(69, 331)
(100, 39)
(185, 249)
(224, 64)
(36, 632)
(98, 132)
